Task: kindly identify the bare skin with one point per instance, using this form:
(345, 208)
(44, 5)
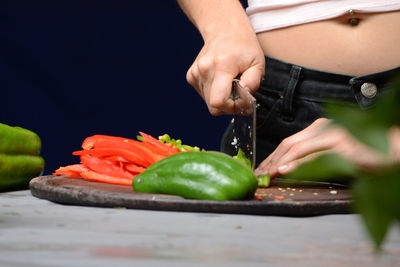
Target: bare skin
(337, 46)
(231, 48)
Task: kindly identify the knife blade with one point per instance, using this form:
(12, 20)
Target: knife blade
(244, 122)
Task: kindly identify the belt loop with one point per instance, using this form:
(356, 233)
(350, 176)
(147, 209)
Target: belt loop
(287, 107)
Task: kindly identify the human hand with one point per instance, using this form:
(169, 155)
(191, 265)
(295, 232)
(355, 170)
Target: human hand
(322, 137)
(224, 57)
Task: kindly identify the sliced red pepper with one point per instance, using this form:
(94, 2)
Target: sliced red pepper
(98, 141)
(167, 151)
(69, 174)
(111, 151)
(71, 171)
(89, 142)
(156, 150)
(116, 158)
(98, 177)
(105, 167)
(134, 168)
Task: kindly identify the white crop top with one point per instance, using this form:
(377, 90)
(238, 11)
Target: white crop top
(266, 15)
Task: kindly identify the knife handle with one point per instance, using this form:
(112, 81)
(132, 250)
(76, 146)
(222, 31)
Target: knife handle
(235, 93)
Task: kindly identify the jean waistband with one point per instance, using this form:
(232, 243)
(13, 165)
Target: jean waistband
(320, 86)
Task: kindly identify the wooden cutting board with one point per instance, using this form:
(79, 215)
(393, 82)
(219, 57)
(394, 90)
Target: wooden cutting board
(283, 197)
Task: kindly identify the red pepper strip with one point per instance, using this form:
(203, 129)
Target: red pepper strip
(110, 151)
(98, 177)
(105, 167)
(134, 168)
(69, 174)
(156, 150)
(116, 158)
(71, 171)
(91, 141)
(168, 151)
(97, 141)
(88, 143)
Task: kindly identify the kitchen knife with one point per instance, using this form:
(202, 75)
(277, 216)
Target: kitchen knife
(244, 122)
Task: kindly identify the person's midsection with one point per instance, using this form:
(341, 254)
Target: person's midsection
(335, 45)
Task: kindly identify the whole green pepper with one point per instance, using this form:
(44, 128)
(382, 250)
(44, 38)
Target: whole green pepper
(198, 175)
(19, 159)
(17, 140)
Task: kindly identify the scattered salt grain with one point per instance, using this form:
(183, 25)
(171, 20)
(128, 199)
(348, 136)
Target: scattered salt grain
(235, 141)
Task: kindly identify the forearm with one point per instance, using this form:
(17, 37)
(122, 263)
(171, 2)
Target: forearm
(231, 49)
(213, 17)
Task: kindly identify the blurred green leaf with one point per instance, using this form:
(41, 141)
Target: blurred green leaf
(368, 126)
(324, 167)
(376, 192)
(377, 198)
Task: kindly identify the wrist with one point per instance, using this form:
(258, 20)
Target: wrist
(215, 17)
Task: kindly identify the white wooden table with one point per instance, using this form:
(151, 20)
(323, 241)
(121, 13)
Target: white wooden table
(36, 232)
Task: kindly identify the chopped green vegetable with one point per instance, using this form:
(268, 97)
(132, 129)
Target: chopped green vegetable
(166, 139)
(241, 157)
(263, 180)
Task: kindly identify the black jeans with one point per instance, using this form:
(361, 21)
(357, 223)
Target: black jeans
(291, 97)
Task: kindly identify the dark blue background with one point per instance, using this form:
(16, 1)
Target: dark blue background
(71, 69)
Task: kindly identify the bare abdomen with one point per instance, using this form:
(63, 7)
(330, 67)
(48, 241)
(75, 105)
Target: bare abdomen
(337, 46)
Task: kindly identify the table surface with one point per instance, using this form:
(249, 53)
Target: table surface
(36, 232)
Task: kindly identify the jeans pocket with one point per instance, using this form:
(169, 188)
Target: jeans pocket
(268, 107)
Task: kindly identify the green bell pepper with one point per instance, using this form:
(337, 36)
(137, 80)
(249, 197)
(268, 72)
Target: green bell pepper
(198, 175)
(19, 159)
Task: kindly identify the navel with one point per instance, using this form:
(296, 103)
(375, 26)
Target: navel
(353, 21)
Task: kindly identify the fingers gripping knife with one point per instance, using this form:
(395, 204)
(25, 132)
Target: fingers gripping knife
(244, 122)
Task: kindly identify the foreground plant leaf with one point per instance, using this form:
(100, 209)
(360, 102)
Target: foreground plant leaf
(325, 167)
(370, 126)
(376, 193)
(377, 198)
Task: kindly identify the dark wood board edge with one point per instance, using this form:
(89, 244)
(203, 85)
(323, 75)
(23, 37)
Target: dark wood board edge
(41, 188)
